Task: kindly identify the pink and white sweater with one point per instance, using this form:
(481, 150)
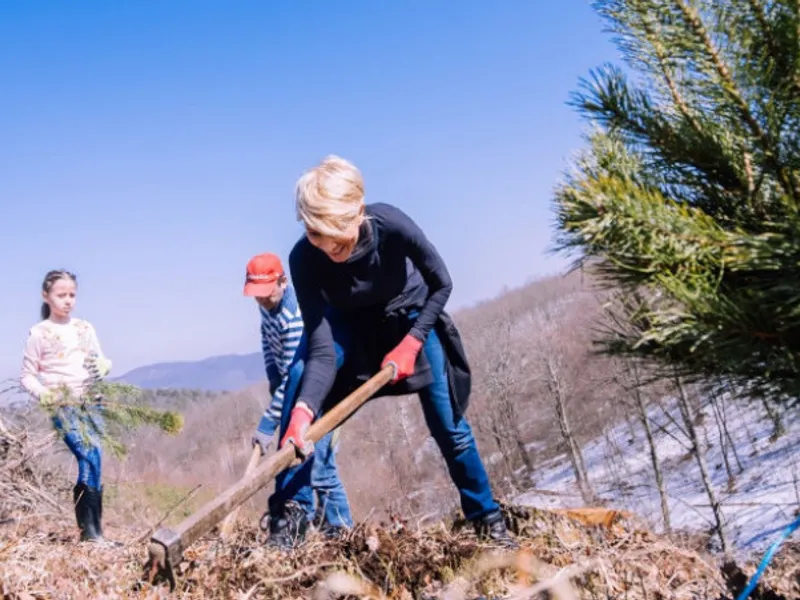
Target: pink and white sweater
(55, 355)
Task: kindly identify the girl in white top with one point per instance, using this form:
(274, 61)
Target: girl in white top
(61, 361)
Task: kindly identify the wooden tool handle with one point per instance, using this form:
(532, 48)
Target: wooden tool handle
(171, 542)
(344, 409)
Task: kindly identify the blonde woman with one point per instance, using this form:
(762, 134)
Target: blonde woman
(372, 291)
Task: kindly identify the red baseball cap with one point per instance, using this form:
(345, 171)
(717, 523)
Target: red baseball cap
(263, 272)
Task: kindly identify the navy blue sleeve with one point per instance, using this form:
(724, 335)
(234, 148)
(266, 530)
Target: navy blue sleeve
(430, 265)
(270, 365)
(319, 372)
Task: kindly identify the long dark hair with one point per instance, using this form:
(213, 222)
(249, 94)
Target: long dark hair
(47, 284)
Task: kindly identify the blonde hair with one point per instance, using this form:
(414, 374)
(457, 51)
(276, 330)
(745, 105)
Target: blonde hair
(330, 196)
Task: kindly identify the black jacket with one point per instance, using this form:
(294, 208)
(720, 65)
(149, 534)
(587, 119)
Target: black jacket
(393, 273)
(374, 338)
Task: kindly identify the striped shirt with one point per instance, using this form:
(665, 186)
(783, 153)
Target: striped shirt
(281, 330)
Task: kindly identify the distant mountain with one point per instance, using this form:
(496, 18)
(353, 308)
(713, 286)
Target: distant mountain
(225, 373)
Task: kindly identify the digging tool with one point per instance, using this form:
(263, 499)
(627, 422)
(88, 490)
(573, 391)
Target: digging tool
(167, 545)
(225, 528)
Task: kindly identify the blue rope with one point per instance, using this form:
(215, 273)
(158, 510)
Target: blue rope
(768, 557)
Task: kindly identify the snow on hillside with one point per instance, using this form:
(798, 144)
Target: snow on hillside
(764, 496)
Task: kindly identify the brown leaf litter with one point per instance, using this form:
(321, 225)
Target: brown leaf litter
(39, 558)
(565, 555)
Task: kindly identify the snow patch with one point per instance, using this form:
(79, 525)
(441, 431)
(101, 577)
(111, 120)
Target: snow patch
(763, 497)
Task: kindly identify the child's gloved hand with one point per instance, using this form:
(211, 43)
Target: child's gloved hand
(47, 398)
(103, 365)
(264, 434)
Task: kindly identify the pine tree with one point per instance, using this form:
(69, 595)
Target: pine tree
(122, 409)
(686, 197)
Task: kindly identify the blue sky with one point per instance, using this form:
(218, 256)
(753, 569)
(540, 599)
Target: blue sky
(152, 147)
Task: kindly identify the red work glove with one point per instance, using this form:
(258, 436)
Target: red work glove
(298, 425)
(403, 357)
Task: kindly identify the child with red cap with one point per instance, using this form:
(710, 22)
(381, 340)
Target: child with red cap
(281, 337)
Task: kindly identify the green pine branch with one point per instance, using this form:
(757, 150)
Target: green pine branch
(121, 408)
(686, 197)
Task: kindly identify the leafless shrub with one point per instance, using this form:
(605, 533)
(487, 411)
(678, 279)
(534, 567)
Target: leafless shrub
(28, 484)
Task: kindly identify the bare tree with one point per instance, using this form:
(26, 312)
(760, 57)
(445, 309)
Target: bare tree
(723, 411)
(614, 457)
(635, 391)
(556, 387)
(504, 382)
(774, 416)
(725, 441)
(689, 420)
(502, 375)
(740, 392)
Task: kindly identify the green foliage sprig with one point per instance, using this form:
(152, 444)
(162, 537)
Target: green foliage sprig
(686, 197)
(121, 409)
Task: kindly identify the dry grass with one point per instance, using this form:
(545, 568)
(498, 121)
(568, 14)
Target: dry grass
(27, 485)
(561, 555)
(39, 558)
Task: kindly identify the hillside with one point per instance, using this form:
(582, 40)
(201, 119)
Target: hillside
(540, 393)
(564, 554)
(223, 373)
(754, 472)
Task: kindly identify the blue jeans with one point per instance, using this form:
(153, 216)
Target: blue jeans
(80, 436)
(452, 435)
(320, 472)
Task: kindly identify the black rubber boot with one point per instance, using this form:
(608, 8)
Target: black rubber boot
(99, 521)
(288, 530)
(492, 527)
(85, 500)
(98, 513)
(89, 512)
